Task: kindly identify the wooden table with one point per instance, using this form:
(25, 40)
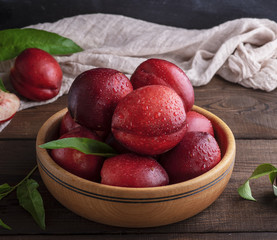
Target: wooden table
(251, 114)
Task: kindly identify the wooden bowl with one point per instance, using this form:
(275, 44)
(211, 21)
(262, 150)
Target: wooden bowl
(136, 207)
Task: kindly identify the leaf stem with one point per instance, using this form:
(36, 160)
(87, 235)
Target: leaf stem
(29, 174)
(18, 184)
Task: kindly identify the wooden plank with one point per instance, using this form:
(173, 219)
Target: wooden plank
(26, 123)
(249, 113)
(229, 213)
(178, 236)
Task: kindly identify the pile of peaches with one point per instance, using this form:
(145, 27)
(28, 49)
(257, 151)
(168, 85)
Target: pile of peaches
(148, 119)
(149, 122)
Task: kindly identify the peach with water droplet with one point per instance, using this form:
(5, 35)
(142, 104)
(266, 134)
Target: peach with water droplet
(94, 95)
(67, 123)
(87, 166)
(132, 170)
(198, 122)
(197, 153)
(161, 72)
(152, 125)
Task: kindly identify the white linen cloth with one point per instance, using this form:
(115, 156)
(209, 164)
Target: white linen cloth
(242, 51)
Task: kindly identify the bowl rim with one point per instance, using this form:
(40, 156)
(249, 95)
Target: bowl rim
(225, 163)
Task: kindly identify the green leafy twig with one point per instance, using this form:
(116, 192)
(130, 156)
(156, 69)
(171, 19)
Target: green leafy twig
(28, 196)
(262, 170)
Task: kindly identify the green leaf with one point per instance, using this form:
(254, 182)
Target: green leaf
(245, 191)
(262, 170)
(2, 195)
(5, 188)
(84, 145)
(2, 224)
(31, 200)
(2, 86)
(14, 41)
(272, 177)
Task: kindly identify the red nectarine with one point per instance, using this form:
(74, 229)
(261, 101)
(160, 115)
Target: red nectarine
(150, 120)
(197, 153)
(94, 95)
(36, 75)
(131, 170)
(83, 165)
(161, 72)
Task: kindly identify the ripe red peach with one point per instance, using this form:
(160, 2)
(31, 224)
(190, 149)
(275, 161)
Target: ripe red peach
(131, 170)
(36, 75)
(198, 122)
(83, 165)
(94, 95)
(150, 120)
(197, 153)
(67, 124)
(161, 72)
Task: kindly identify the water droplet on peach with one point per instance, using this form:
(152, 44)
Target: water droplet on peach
(157, 115)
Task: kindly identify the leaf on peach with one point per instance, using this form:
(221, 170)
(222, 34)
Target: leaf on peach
(84, 145)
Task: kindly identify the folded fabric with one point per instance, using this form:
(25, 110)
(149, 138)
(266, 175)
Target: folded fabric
(242, 51)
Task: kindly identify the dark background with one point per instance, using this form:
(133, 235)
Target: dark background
(181, 13)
